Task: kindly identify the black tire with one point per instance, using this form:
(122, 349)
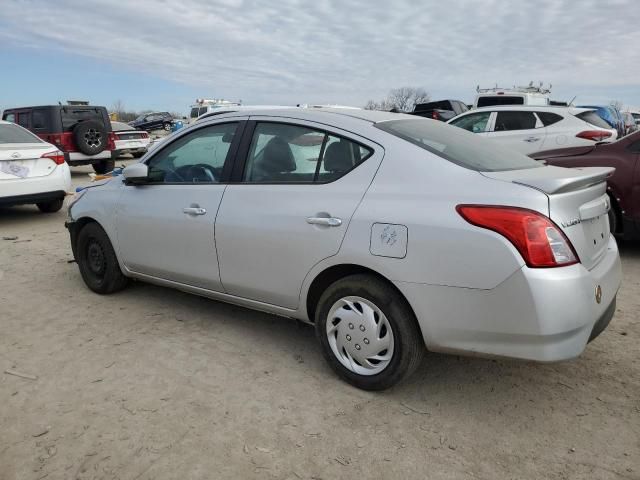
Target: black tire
(105, 166)
(97, 260)
(408, 349)
(52, 206)
(90, 137)
(166, 126)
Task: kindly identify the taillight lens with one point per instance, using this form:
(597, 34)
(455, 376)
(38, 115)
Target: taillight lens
(111, 142)
(57, 157)
(435, 115)
(540, 242)
(594, 135)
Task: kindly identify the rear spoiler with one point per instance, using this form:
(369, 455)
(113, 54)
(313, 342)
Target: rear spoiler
(552, 180)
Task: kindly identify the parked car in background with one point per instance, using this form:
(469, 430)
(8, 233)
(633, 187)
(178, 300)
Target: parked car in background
(623, 186)
(609, 114)
(130, 140)
(81, 132)
(204, 106)
(31, 170)
(636, 117)
(489, 97)
(630, 124)
(360, 217)
(442, 110)
(153, 121)
(529, 129)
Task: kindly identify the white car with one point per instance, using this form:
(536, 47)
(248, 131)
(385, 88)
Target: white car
(530, 129)
(389, 232)
(130, 140)
(31, 170)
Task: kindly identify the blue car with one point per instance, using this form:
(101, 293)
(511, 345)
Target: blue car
(611, 115)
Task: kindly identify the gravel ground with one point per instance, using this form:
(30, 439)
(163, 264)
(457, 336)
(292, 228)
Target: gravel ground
(152, 383)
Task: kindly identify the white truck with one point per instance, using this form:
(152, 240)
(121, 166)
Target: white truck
(490, 97)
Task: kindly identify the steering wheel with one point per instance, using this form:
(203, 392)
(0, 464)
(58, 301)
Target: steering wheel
(209, 169)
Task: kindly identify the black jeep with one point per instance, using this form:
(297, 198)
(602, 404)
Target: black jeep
(82, 132)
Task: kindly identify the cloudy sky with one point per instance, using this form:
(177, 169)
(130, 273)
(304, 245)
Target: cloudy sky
(162, 54)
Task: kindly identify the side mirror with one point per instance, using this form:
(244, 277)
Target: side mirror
(136, 174)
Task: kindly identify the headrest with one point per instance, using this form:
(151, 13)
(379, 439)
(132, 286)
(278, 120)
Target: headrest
(337, 158)
(277, 157)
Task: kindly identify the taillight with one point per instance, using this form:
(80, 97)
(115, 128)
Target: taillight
(57, 157)
(111, 141)
(435, 115)
(595, 135)
(540, 242)
(144, 135)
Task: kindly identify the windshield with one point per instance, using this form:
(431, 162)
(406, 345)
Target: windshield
(13, 134)
(458, 146)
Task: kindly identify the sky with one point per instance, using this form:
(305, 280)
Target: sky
(163, 54)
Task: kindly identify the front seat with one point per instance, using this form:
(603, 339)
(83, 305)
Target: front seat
(337, 159)
(277, 160)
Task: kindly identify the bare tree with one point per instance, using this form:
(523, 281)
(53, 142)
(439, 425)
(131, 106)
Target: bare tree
(118, 107)
(617, 104)
(402, 99)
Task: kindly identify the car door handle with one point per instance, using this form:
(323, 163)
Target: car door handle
(326, 221)
(194, 210)
(532, 139)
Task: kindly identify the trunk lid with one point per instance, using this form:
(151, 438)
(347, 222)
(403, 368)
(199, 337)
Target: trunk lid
(578, 204)
(22, 160)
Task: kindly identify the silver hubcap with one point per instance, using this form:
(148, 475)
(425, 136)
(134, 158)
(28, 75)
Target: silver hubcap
(93, 138)
(360, 336)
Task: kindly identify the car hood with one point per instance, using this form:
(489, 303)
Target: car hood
(563, 152)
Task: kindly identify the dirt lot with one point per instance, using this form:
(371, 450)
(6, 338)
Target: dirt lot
(152, 383)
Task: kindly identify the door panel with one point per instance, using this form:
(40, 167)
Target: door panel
(166, 228)
(269, 236)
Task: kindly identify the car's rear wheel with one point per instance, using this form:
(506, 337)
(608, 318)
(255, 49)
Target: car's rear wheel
(105, 166)
(167, 126)
(368, 332)
(97, 260)
(51, 206)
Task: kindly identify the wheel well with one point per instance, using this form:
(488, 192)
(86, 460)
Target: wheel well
(333, 274)
(77, 226)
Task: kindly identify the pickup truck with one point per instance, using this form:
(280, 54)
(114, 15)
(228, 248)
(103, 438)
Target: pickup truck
(442, 110)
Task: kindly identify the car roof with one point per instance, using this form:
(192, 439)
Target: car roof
(321, 114)
(77, 107)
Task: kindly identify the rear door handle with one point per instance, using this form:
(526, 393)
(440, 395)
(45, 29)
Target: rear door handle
(194, 210)
(326, 221)
(532, 139)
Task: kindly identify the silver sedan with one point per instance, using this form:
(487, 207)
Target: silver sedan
(393, 234)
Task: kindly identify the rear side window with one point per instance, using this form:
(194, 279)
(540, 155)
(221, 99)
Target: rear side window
(500, 100)
(71, 116)
(475, 122)
(13, 134)
(38, 120)
(23, 119)
(462, 148)
(548, 118)
(594, 119)
(285, 153)
(507, 121)
(10, 117)
(194, 112)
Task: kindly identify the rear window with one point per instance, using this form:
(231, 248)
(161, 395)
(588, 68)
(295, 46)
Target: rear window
(500, 100)
(548, 118)
(458, 146)
(594, 119)
(71, 116)
(14, 134)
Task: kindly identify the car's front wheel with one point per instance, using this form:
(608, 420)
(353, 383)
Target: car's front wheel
(167, 126)
(51, 206)
(97, 260)
(368, 332)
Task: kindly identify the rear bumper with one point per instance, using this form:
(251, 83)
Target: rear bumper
(20, 191)
(78, 158)
(536, 314)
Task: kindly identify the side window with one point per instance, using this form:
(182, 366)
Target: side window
(476, 123)
(38, 120)
(23, 119)
(507, 121)
(548, 118)
(194, 158)
(284, 153)
(203, 110)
